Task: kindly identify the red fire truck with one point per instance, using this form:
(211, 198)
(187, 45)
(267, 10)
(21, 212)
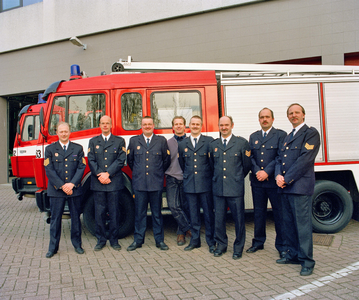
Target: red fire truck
(163, 90)
(27, 132)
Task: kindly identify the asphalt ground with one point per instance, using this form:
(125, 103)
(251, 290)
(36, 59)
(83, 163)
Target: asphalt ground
(149, 273)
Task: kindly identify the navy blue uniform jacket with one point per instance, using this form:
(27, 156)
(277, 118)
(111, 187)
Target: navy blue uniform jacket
(107, 157)
(148, 165)
(264, 152)
(296, 161)
(62, 167)
(230, 166)
(197, 171)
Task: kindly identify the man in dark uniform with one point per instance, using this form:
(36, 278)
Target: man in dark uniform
(174, 183)
(148, 157)
(296, 179)
(64, 166)
(197, 174)
(106, 157)
(264, 145)
(230, 157)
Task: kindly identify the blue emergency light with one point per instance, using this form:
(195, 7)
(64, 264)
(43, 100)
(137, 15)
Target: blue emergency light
(40, 99)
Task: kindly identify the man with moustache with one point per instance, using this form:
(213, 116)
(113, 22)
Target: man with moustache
(264, 145)
(296, 179)
(174, 182)
(230, 157)
(106, 157)
(64, 166)
(197, 173)
(148, 157)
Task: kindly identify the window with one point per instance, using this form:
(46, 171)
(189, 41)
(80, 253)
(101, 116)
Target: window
(10, 4)
(31, 128)
(131, 108)
(166, 105)
(80, 111)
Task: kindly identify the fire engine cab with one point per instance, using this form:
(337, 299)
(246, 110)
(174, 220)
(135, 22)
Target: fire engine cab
(163, 90)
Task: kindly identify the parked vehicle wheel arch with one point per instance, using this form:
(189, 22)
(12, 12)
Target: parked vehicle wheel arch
(332, 207)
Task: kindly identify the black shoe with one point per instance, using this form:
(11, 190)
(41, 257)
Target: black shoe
(282, 254)
(212, 249)
(99, 247)
(287, 261)
(134, 246)
(218, 252)
(79, 250)
(254, 249)
(50, 254)
(191, 247)
(162, 246)
(306, 271)
(116, 247)
(237, 255)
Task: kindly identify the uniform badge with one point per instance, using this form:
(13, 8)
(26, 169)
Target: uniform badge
(46, 162)
(185, 149)
(84, 161)
(168, 152)
(88, 151)
(285, 143)
(215, 149)
(256, 142)
(138, 147)
(248, 153)
(308, 147)
(209, 154)
(128, 151)
(56, 154)
(123, 149)
(97, 146)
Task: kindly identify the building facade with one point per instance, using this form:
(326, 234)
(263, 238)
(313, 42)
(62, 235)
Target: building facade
(35, 50)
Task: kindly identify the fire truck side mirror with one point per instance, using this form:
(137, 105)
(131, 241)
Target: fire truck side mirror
(41, 116)
(18, 128)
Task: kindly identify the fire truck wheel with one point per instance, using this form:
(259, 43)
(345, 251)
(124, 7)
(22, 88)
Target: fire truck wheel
(332, 207)
(117, 67)
(127, 215)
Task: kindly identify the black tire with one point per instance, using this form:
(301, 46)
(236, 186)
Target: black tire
(332, 207)
(127, 214)
(117, 67)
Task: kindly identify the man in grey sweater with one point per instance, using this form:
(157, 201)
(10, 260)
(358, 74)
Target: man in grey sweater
(174, 183)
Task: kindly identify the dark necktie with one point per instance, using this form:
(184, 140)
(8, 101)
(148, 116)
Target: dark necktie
(195, 143)
(64, 148)
(224, 143)
(148, 142)
(264, 135)
(105, 139)
(291, 135)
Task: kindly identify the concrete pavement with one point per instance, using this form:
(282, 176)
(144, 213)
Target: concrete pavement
(149, 273)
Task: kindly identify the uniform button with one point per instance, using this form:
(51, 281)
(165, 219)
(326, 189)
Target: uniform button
(285, 155)
(224, 153)
(146, 173)
(261, 168)
(66, 166)
(195, 173)
(224, 169)
(224, 177)
(105, 150)
(146, 158)
(147, 166)
(283, 164)
(67, 178)
(262, 153)
(261, 160)
(287, 148)
(65, 159)
(105, 166)
(147, 152)
(283, 172)
(195, 166)
(105, 158)
(224, 161)
(195, 154)
(263, 146)
(195, 159)
(66, 171)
